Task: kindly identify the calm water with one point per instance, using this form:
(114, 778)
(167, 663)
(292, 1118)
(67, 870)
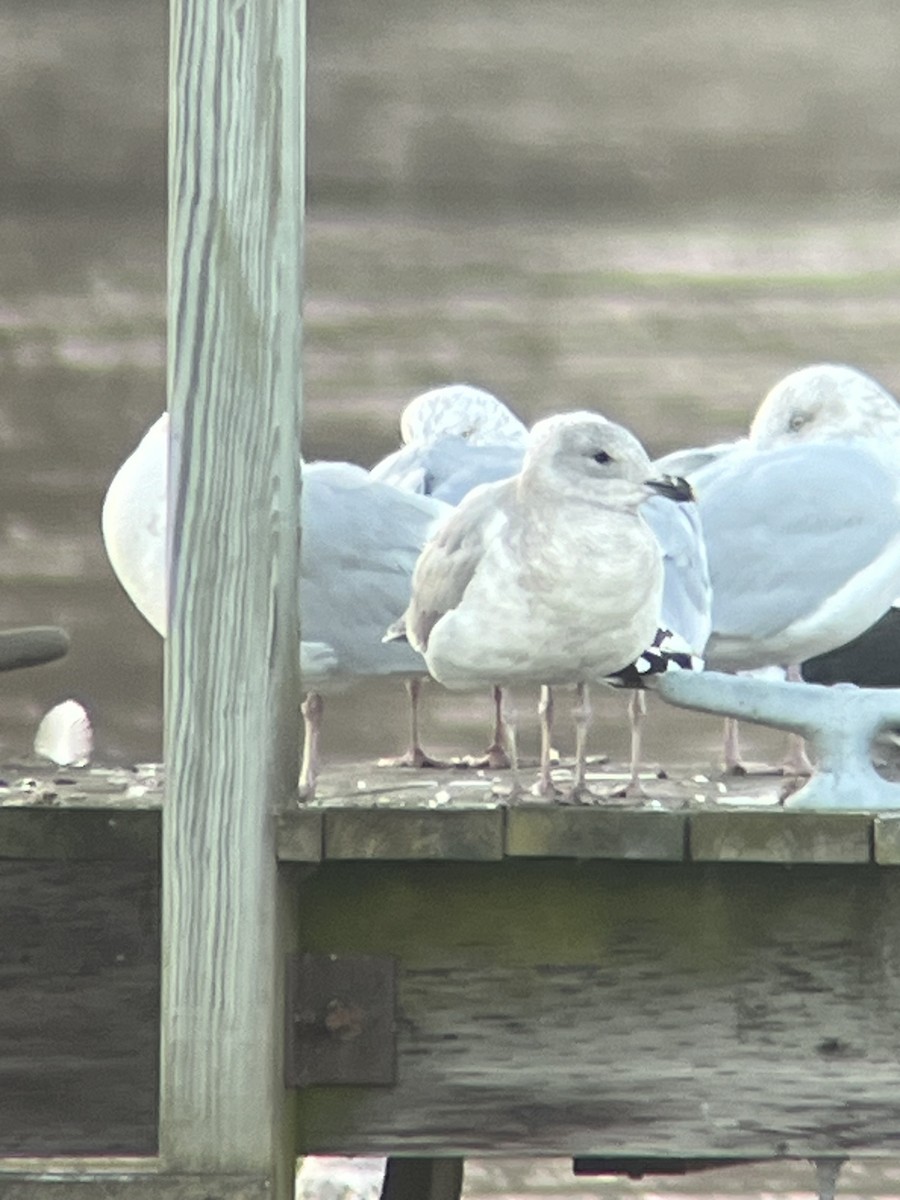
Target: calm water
(644, 209)
(676, 330)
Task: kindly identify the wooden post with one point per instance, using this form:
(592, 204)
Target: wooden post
(232, 656)
(423, 1179)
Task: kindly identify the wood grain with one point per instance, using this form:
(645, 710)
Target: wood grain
(232, 655)
(79, 1022)
(701, 1010)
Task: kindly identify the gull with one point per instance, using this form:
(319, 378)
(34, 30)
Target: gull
(455, 437)
(802, 524)
(551, 577)
(361, 539)
(460, 436)
(686, 611)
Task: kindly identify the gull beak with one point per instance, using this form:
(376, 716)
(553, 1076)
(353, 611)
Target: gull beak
(673, 487)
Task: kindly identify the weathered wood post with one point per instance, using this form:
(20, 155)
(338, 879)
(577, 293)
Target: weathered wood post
(232, 684)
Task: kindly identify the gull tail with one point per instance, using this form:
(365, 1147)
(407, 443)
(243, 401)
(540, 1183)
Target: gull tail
(667, 652)
(397, 631)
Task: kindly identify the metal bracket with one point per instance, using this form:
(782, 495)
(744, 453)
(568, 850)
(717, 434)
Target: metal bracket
(340, 1020)
(637, 1168)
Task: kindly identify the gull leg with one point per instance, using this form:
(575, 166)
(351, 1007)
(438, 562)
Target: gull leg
(312, 708)
(637, 710)
(495, 758)
(733, 763)
(545, 786)
(582, 713)
(415, 757)
(796, 760)
(510, 718)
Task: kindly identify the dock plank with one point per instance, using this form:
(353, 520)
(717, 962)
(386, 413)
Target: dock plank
(555, 832)
(781, 837)
(589, 1007)
(403, 833)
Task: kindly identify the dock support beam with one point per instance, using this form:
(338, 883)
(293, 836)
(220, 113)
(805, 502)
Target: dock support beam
(232, 656)
(423, 1179)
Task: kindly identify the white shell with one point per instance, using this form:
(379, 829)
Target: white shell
(65, 735)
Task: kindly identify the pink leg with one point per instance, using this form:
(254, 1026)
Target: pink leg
(796, 760)
(415, 757)
(510, 718)
(545, 786)
(312, 708)
(495, 758)
(733, 762)
(582, 713)
(637, 710)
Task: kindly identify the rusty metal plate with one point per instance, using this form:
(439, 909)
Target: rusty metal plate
(340, 1020)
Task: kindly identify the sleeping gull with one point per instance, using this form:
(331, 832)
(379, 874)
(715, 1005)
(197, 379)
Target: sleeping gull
(460, 436)
(454, 438)
(360, 542)
(802, 522)
(551, 577)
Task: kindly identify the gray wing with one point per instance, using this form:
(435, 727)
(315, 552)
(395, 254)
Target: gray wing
(449, 467)
(360, 542)
(688, 462)
(786, 529)
(405, 469)
(687, 593)
(452, 556)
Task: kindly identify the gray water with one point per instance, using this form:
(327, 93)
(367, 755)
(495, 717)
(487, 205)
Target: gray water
(651, 209)
(647, 210)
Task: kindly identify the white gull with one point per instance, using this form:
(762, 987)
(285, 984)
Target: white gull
(551, 577)
(802, 524)
(360, 542)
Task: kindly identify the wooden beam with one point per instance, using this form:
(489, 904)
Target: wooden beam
(119, 1179)
(232, 656)
(619, 1009)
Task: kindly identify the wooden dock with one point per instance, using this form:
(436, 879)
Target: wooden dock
(684, 978)
(198, 991)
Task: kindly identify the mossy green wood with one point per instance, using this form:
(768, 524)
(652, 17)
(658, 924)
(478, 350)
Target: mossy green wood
(620, 1008)
(403, 833)
(551, 831)
(79, 833)
(779, 836)
(232, 686)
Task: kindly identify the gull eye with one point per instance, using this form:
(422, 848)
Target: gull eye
(797, 421)
(602, 457)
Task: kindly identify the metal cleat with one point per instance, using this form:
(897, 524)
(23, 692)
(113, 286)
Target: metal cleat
(840, 722)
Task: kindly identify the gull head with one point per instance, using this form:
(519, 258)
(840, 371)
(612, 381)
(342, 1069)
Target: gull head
(584, 452)
(460, 410)
(821, 403)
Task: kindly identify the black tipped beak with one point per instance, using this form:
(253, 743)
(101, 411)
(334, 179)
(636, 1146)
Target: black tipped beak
(673, 487)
